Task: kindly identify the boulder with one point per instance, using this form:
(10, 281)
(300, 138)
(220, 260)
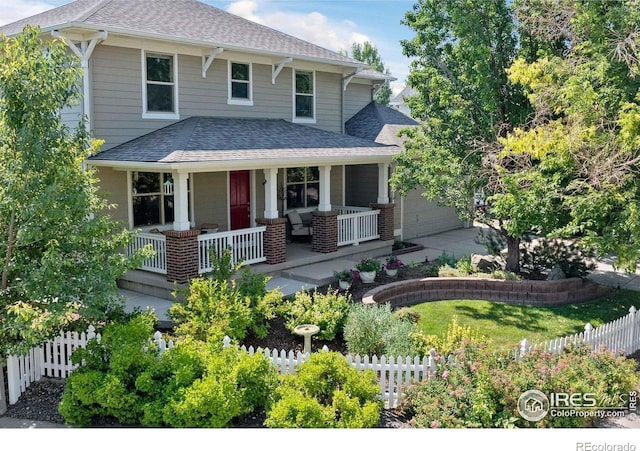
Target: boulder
(486, 263)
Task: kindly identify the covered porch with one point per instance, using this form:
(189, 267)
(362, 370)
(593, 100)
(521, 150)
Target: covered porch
(226, 194)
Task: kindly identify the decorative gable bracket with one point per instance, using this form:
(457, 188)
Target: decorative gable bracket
(278, 68)
(208, 59)
(86, 47)
(347, 78)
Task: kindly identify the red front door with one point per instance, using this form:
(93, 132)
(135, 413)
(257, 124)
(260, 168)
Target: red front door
(239, 199)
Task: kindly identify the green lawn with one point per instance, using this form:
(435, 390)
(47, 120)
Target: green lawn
(507, 325)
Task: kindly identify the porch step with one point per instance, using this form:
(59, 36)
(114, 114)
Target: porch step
(148, 283)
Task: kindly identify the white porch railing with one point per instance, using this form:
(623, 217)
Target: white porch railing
(346, 210)
(157, 263)
(247, 245)
(358, 226)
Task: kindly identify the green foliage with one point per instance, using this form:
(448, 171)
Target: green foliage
(212, 310)
(542, 256)
(368, 54)
(193, 384)
(222, 267)
(408, 314)
(481, 387)
(368, 265)
(456, 336)
(60, 253)
(220, 305)
(327, 311)
(465, 266)
(326, 392)
(376, 330)
(448, 271)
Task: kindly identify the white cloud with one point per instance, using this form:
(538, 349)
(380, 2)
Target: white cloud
(13, 10)
(313, 27)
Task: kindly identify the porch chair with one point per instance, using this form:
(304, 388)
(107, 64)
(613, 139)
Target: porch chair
(208, 227)
(298, 229)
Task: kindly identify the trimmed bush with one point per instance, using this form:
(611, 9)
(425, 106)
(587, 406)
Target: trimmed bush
(326, 392)
(327, 311)
(456, 336)
(376, 330)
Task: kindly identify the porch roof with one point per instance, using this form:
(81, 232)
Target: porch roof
(198, 142)
(379, 123)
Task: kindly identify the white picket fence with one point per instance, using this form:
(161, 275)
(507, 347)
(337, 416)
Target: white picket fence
(394, 373)
(621, 336)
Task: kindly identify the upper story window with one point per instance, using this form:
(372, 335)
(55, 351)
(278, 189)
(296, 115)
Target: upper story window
(240, 88)
(303, 187)
(304, 91)
(160, 93)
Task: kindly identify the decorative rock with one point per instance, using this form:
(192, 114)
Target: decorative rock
(486, 263)
(556, 273)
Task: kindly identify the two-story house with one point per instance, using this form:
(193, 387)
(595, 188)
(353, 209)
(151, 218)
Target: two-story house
(222, 132)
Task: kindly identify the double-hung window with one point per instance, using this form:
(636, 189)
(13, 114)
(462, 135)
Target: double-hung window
(240, 88)
(303, 187)
(153, 203)
(304, 104)
(160, 93)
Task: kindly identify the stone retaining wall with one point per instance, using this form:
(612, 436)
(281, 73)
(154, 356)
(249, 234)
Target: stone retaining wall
(518, 292)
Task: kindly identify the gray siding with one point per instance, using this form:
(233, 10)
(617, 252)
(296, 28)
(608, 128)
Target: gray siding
(356, 97)
(113, 184)
(210, 199)
(117, 94)
(423, 217)
(71, 116)
(361, 185)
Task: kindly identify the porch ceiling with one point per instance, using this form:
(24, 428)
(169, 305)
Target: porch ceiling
(203, 143)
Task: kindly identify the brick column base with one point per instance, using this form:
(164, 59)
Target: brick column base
(385, 220)
(275, 239)
(182, 255)
(325, 231)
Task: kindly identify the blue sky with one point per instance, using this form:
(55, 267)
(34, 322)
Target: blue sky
(333, 24)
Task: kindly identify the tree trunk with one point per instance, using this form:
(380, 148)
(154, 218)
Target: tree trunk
(513, 254)
(10, 239)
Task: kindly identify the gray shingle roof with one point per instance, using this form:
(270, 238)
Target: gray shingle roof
(379, 123)
(209, 139)
(179, 20)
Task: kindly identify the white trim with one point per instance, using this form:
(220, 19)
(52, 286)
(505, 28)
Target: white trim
(275, 71)
(304, 120)
(239, 101)
(160, 114)
(208, 58)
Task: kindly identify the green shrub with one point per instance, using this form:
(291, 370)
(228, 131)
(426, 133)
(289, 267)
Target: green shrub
(504, 275)
(465, 267)
(376, 330)
(326, 392)
(481, 387)
(262, 303)
(537, 260)
(327, 311)
(408, 314)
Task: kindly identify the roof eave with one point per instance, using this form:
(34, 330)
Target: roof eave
(199, 43)
(265, 163)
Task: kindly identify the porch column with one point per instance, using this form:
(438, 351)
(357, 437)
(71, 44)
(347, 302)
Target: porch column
(182, 255)
(325, 188)
(275, 239)
(271, 193)
(383, 183)
(181, 200)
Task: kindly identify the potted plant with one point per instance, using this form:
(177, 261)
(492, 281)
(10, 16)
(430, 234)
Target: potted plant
(346, 277)
(392, 265)
(367, 268)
